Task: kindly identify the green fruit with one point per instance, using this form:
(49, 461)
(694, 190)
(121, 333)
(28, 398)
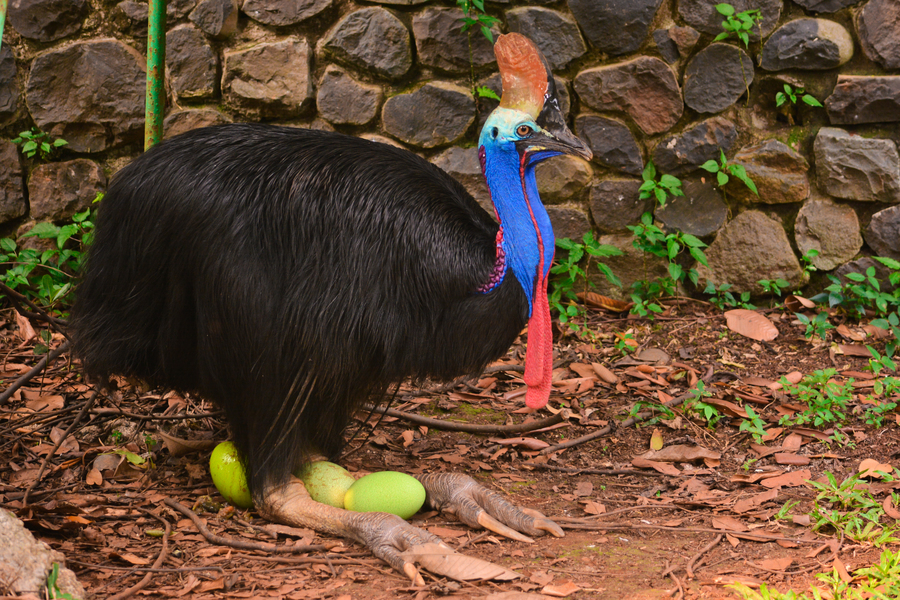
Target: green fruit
(326, 482)
(386, 491)
(229, 476)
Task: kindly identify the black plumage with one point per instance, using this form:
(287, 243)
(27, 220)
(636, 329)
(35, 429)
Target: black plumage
(289, 275)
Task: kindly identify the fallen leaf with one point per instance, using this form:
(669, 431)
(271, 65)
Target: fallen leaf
(776, 564)
(522, 442)
(179, 447)
(854, 350)
(872, 468)
(792, 479)
(599, 301)
(795, 303)
(785, 458)
(584, 488)
(561, 590)
(728, 523)
(664, 468)
(604, 373)
(751, 324)
(441, 560)
(680, 453)
(889, 510)
(745, 504)
(93, 477)
(656, 440)
(595, 508)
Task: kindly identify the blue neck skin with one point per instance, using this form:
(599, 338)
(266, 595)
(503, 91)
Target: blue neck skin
(523, 219)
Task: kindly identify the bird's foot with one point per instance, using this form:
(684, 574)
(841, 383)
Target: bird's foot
(477, 506)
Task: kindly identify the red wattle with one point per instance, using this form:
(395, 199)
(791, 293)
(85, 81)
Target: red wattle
(539, 353)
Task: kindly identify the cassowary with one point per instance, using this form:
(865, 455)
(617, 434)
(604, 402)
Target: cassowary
(290, 275)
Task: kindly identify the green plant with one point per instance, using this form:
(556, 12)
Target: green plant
(47, 276)
(567, 274)
(625, 343)
(695, 404)
(116, 437)
(475, 15)
(722, 299)
(783, 513)
(660, 412)
(723, 168)
(753, 424)
(850, 509)
(826, 399)
(818, 325)
(738, 24)
(485, 92)
(863, 292)
(53, 591)
(774, 286)
(790, 94)
(34, 141)
(662, 189)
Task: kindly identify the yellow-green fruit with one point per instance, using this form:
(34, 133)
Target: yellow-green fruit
(327, 482)
(229, 476)
(386, 491)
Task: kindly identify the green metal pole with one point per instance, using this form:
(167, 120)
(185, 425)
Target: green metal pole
(3, 4)
(156, 69)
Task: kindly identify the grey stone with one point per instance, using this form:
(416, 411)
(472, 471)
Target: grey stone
(813, 44)
(779, 173)
(702, 14)
(192, 63)
(554, 33)
(9, 88)
(700, 212)
(437, 113)
(825, 6)
(615, 26)
(857, 168)
(371, 39)
(749, 248)
(717, 77)
(683, 153)
(883, 233)
(666, 46)
(644, 88)
(616, 204)
(281, 13)
(862, 266)
(217, 18)
(442, 44)
(59, 190)
(401, 3)
(91, 94)
(864, 99)
(611, 142)
(685, 38)
(463, 165)
(131, 17)
(269, 80)
(631, 266)
(25, 562)
(563, 178)
(829, 228)
(12, 185)
(178, 9)
(569, 221)
(342, 100)
(193, 118)
(46, 20)
(878, 23)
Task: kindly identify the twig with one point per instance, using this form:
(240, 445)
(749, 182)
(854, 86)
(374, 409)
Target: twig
(143, 569)
(119, 412)
(670, 572)
(46, 461)
(42, 364)
(586, 471)
(466, 427)
(242, 544)
(689, 569)
(156, 564)
(39, 313)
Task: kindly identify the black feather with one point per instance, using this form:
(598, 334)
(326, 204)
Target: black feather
(289, 275)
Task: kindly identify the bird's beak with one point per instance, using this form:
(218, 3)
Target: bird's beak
(562, 140)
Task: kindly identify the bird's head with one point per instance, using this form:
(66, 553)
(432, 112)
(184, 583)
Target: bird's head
(526, 128)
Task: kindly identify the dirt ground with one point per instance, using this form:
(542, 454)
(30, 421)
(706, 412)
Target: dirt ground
(637, 527)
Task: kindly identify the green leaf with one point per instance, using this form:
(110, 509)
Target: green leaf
(721, 36)
(486, 31)
(59, 142)
(486, 92)
(649, 172)
(648, 185)
(699, 256)
(670, 181)
(780, 98)
(722, 178)
(44, 230)
(7, 245)
(675, 271)
(692, 241)
(810, 100)
(660, 195)
(725, 9)
(858, 277)
(711, 166)
(890, 263)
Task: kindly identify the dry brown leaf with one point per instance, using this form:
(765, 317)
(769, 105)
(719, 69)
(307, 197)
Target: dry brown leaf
(854, 350)
(656, 440)
(584, 370)
(751, 324)
(541, 578)
(871, 467)
(48, 403)
(604, 373)
(26, 331)
(179, 446)
(849, 334)
(728, 523)
(789, 458)
(561, 590)
(889, 510)
(522, 442)
(792, 479)
(442, 560)
(93, 477)
(680, 453)
(842, 570)
(514, 596)
(595, 508)
(599, 301)
(745, 504)
(796, 303)
(776, 564)
(664, 468)
(794, 377)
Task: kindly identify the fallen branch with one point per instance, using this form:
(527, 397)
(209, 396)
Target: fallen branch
(163, 553)
(23, 379)
(466, 427)
(689, 569)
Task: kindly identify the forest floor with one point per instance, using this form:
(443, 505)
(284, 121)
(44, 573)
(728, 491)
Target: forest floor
(704, 510)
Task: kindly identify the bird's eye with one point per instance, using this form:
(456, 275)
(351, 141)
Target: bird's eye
(495, 132)
(524, 130)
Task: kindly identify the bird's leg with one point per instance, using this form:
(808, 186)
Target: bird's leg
(387, 536)
(477, 506)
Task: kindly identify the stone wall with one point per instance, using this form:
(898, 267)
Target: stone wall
(642, 80)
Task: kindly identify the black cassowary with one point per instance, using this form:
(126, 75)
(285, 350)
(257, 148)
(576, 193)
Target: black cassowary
(290, 275)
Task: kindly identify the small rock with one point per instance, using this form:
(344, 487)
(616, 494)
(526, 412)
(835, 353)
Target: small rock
(463, 165)
(270, 79)
(342, 100)
(683, 153)
(751, 247)
(864, 99)
(59, 190)
(878, 22)
(856, 168)
(554, 33)
(702, 14)
(47, 20)
(281, 13)
(569, 221)
(813, 44)
(192, 118)
(829, 228)
(442, 44)
(437, 113)
(9, 89)
(644, 88)
(217, 18)
(883, 233)
(666, 46)
(685, 38)
(825, 6)
(616, 204)
(700, 212)
(192, 63)
(779, 173)
(12, 186)
(615, 26)
(611, 142)
(371, 39)
(717, 77)
(564, 178)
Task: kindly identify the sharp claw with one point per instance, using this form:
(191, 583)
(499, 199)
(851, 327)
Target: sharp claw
(489, 522)
(543, 523)
(413, 573)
